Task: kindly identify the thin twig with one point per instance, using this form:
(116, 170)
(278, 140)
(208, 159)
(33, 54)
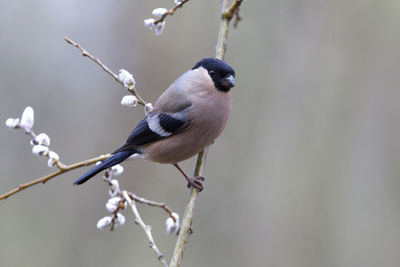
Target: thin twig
(230, 12)
(44, 179)
(185, 230)
(142, 200)
(152, 204)
(57, 163)
(61, 166)
(237, 18)
(170, 12)
(146, 228)
(227, 15)
(85, 53)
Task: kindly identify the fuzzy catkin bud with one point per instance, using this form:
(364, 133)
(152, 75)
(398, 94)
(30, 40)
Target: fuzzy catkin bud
(120, 219)
(148, 108)
(149, 23)
(129, 101)
(104, 222)
(159, 28)
(114, 201)
(114, 190)
(171, 225)
(53, 157)
(126, 78)
(40, 150)
(43, 139)
(110, 207)
(159, 12)
(12, 123)
(27, 118)
(117, 170)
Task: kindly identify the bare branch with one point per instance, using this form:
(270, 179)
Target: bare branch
(146, 228)
(231, 11)
(152, 204)
(170, 12)
(61, 166)
(227, 15)
(62, 169)
(85, 53)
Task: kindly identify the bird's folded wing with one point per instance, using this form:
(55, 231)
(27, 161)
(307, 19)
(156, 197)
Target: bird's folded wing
(154, 127)
(170, 115)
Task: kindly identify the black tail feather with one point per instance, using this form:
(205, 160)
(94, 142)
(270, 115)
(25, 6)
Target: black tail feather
(111, 161)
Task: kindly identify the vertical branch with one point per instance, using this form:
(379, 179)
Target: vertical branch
(185, 231)
(223, 34)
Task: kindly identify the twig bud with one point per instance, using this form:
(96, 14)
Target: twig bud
(53, 157)
(171, 225)
(149, 23)
(104, 222)
(148, 108)
(43, 139)
(159, 12)
(27, 118)
(114, 200)
(117, 170)
(159, 28)
(12, 123)
(129, 101)
(120, 219)
(111, 207)
(114, 190)
(126, 78)
(40, 150)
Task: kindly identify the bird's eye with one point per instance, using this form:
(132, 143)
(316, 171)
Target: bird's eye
(212, 73)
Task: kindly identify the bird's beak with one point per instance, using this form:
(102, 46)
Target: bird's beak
(228, 81)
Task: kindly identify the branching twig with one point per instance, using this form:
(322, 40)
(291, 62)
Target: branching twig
(146, 228)
(231, 11)
(201, 158)
(61, 166)
(142, 200)
(152, 203)
(44, 179)
(57, 163)
(85, 53)
(227, 15)
(170, 12)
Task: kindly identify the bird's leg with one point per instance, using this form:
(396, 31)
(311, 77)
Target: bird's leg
(192, 181)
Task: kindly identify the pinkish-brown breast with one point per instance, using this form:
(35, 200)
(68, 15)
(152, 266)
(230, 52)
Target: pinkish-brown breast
(209, 112)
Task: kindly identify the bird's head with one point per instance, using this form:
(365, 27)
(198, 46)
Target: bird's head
(220, 72)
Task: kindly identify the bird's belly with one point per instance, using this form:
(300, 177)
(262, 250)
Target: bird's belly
(183, 145)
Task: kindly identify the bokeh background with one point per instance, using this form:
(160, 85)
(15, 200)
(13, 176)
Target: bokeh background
(306, 172)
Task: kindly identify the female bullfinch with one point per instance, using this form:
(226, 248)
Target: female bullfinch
(186, 118)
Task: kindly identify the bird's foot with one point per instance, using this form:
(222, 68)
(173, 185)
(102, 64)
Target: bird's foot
(197, 182)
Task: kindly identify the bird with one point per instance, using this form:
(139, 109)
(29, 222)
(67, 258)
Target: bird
(186, 118)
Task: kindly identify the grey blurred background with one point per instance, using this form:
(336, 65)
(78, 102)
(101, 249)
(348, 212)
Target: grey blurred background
(305, 174)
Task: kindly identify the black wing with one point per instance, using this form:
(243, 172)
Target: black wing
(152, 128)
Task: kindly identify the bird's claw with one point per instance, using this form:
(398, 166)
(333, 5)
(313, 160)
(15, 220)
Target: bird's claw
(196, 182)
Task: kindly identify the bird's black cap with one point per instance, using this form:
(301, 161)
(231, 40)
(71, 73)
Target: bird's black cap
(220, 72)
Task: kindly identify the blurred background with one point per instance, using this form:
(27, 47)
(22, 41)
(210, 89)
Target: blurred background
(306, 172)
